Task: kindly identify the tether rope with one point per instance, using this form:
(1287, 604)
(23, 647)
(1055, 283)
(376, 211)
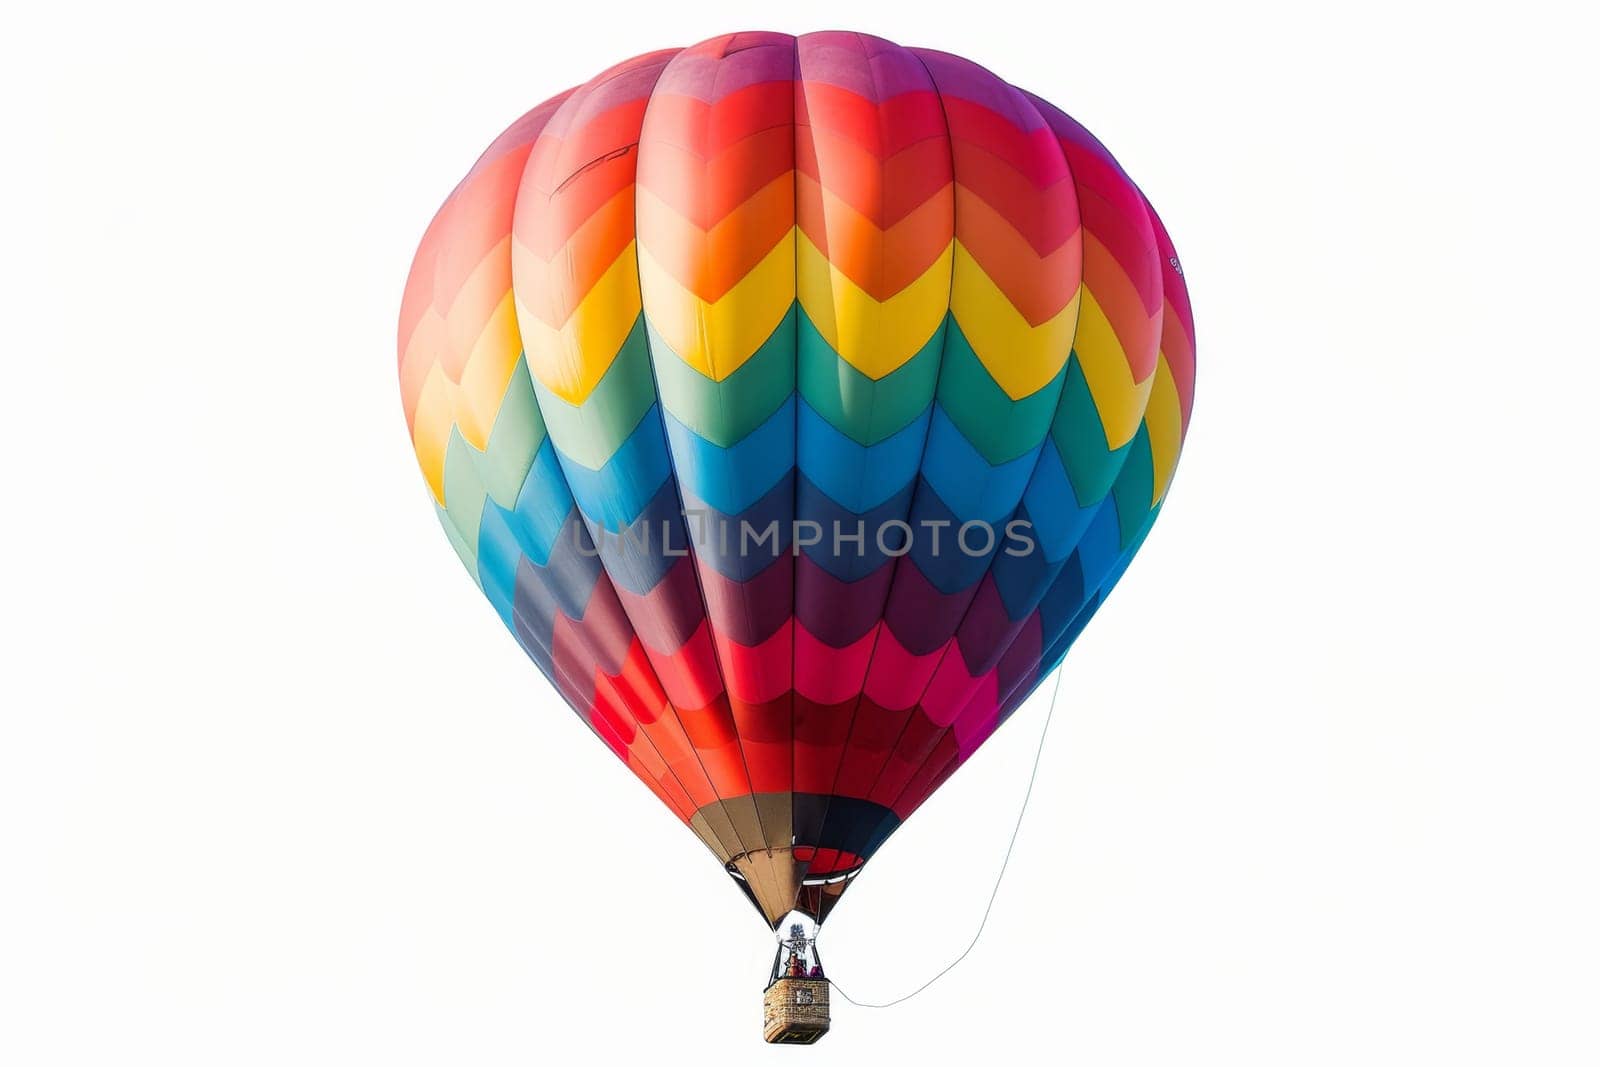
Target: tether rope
(1027, 795)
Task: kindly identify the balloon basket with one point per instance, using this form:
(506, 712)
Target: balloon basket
(795, 1005)
(796, 1011)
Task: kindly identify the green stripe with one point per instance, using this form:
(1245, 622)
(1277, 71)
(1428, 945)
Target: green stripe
(518, 432)
(864, 409)
(1134, 487)
(464, 495)
(590, 433)
(725, 412)
(1080, 439)
(1000, 428)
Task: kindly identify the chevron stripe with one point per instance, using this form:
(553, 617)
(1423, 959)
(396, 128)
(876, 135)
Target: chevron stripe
(876, 337)
(765, 283)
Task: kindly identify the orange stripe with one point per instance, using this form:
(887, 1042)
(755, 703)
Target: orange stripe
(552, 287)
(1138, 331)
(881, 262)
(1037, 286)
(708, 264)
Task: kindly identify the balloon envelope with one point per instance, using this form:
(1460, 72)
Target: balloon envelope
(796, 401)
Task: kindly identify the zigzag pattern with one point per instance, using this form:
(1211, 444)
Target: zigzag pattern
(718, 296)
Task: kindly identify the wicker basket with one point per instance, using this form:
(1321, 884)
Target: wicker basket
(796, 1011)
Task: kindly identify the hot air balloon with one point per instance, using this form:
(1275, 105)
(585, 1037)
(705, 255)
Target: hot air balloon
(796, 401)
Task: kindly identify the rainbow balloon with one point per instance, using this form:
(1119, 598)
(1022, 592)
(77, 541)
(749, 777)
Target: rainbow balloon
(796, 401)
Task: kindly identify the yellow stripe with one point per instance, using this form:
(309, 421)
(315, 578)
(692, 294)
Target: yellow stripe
(1164, 420)
(717, 338)
(431, 428)
(1020, 357)
(875, 337)
(1119, 399)
(487, 373)
(571, 360)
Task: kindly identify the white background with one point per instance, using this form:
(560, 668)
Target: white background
(277, 788)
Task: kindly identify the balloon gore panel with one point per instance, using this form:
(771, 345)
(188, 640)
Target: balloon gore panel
(796, 401)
